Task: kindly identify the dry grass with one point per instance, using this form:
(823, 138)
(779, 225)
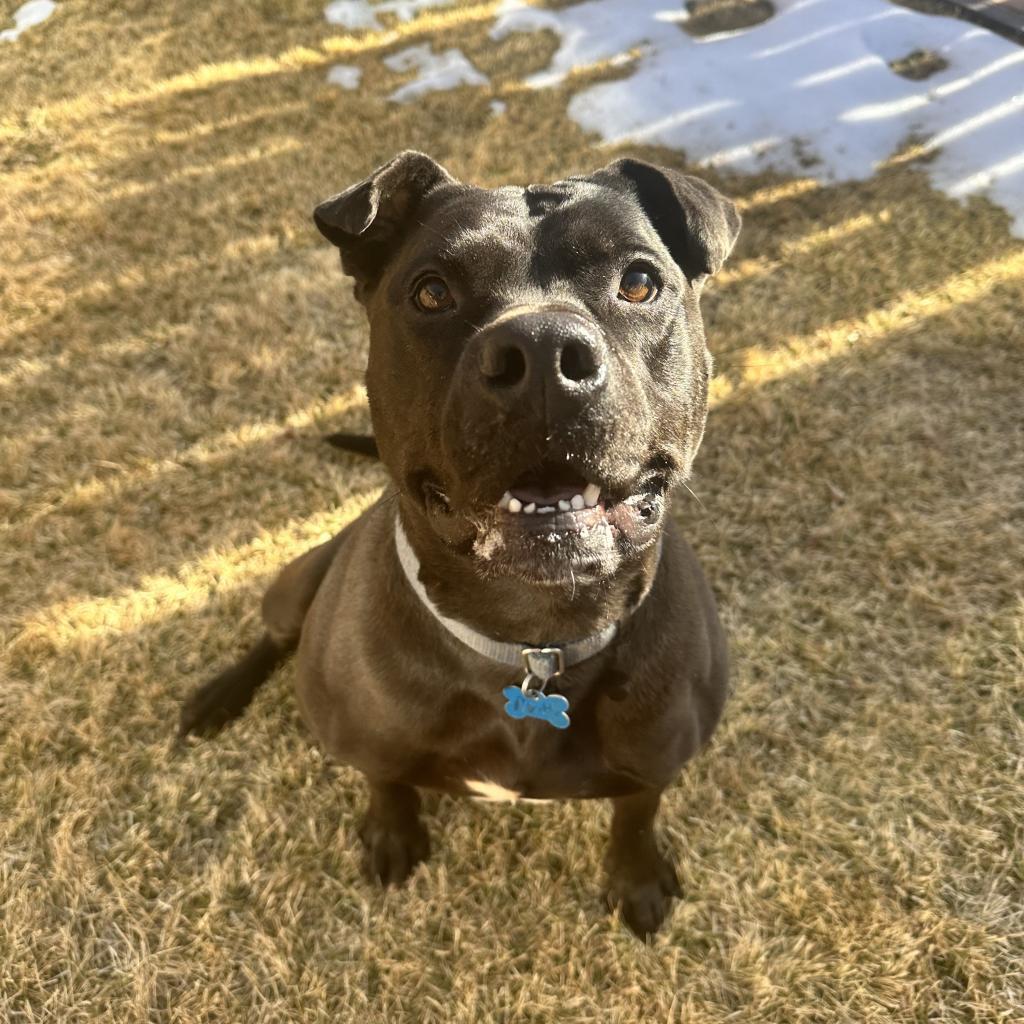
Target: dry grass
(706, 17)
(919, 65)
(175, 337)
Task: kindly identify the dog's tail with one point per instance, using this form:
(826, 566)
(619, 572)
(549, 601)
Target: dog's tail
(226, 696)
(361, 444)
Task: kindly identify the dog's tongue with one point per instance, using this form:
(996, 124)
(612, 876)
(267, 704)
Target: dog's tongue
(543, 496)
(547, 487)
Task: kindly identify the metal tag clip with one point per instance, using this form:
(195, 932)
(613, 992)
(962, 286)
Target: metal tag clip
(542, 664)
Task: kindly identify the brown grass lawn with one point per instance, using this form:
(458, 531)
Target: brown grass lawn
(175, 338)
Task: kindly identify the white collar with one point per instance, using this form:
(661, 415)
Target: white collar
(542, 661)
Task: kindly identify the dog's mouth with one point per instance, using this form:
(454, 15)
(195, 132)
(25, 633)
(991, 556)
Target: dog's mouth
(546, 491)
(555, 525)
(559, 497)
(555, 522)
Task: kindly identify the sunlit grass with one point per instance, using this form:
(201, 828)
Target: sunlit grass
(186, 589)
(776, 193)
(176, 337)
(763, 363)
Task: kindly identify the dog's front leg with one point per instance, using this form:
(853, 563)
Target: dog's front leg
(640, 880)
(393, 837)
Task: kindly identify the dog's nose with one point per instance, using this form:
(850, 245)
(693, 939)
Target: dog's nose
(558, 353)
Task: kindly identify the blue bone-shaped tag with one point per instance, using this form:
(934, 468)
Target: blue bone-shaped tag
(551, 708)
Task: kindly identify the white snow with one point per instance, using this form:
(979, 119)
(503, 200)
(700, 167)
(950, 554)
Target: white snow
(35, 12)
(516, 16)
(812, 83)
(808, 92)
(360, 14)
(345, 75)
(437, 71)
(498, 107)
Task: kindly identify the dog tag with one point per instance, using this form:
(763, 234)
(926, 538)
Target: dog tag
(552, 708)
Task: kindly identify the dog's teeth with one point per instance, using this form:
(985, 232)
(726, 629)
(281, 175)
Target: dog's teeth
(590, 495)
(515, 505)
(546, 510)
(577, 502)
(506, 500)
(564, 506)
(531, 508)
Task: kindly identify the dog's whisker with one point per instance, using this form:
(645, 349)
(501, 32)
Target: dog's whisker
(694, 495)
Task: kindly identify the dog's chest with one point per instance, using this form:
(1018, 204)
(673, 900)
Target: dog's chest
(505, 760)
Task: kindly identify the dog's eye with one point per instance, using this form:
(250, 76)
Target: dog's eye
(637, 285)
(433, 296)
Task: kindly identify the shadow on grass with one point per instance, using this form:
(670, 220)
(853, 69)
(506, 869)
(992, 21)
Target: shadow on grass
(859, 524)
(856, 516)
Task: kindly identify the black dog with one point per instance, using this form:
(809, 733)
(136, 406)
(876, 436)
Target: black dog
(519, 615)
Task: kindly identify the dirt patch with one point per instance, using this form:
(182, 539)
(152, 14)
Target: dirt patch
(709, 17)
(919, 65)
(925, 6)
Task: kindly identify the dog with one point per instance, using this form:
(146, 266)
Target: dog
(518, 615)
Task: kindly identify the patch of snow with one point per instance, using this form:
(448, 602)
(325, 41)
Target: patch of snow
(28, 15)
(361, 14)
(808, 92)
(516, 16)
(351, 14)
(345, 75)
(498, 107)
(437, 71)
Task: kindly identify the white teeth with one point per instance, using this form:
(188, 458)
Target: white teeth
(588, 499)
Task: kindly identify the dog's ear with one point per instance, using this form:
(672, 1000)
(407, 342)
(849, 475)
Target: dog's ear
(366, 220)
(695, 221)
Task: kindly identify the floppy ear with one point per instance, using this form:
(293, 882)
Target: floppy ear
(367, 219)
(696, 222)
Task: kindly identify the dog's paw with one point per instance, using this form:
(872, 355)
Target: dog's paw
(643, 894)
(390, 851)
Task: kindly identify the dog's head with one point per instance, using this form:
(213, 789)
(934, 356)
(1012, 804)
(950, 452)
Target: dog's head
(537, 372)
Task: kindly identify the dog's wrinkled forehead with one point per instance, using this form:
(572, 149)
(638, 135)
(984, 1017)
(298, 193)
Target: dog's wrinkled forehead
(375, 218)
(414, 197)
(540, 233)
(487, 230)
